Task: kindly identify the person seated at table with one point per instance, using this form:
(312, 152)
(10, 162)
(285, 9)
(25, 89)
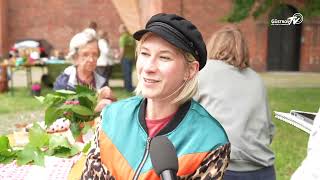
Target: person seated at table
(84, 51)
(170, 54)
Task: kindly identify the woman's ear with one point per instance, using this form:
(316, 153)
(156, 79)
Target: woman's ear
(193, 69)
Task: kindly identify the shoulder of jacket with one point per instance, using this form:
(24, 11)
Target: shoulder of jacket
(130, 102)
(70, 70)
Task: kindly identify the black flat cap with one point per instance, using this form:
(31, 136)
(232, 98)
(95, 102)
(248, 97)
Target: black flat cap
(179, 32)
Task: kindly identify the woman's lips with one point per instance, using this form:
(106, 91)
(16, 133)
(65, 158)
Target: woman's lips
(150, 82)
(147, 80)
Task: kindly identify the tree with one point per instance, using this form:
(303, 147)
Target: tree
(243, 9)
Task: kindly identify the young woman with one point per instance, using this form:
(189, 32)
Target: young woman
(170, 54)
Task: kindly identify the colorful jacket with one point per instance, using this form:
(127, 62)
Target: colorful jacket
(122, 148)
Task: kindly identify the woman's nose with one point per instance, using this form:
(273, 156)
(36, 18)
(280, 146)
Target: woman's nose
(92, 58)
(151, 65)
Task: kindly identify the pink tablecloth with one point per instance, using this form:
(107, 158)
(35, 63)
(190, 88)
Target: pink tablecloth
(55, 168)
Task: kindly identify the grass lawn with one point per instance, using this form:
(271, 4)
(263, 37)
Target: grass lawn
(289, 143)
(23, 101)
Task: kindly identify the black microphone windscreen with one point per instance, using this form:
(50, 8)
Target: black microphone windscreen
(163, 155)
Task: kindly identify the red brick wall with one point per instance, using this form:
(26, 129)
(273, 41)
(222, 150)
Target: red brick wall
(310, 46)
(207, 16)
(58, 21)
(3, 27)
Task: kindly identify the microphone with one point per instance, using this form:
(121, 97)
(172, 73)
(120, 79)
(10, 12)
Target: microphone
(164, 158)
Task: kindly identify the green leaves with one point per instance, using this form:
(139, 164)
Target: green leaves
(59, 146)
(86, 147)
(82, 110)
(4, 143)
(76, 106)
(7, 154)
(243, 9)
(30, 154)
(240, 10)
(38, 137)
(75, 129)
(40, 144)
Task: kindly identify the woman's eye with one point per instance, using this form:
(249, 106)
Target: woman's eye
(144, 53)
(165, 58)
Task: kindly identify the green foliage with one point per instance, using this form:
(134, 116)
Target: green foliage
(59, 146)
(40, 144)
(243, 9)
(7, 154)
(38, 137)
(86, 147)
(31, 154)
(76, 106)
(311, 9)
(264, 6)
(240, 10)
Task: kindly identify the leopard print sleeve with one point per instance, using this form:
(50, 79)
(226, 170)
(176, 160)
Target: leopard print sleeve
(94, 169)
(213, 166)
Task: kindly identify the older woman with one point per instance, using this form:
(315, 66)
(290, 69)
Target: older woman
(83, 49)
(170, 54)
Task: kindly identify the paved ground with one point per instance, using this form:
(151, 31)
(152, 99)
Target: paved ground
(20, 78)
(9, 120)
(291, 79)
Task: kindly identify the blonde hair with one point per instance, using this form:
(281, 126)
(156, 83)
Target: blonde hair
(228, 44)
(190, 87)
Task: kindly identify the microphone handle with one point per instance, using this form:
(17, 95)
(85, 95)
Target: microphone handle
(168, 175)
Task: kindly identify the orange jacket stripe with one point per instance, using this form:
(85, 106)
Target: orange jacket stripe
(190, 162)
(113, 159)
(151, 174)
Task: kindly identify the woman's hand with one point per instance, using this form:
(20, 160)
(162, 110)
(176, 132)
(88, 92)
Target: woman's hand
(105, 97)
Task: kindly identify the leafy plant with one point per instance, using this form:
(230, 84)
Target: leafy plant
(7, 154)
(40, 144)
(76, 106)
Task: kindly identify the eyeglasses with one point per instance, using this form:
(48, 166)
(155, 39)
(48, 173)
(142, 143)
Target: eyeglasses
(87, 57)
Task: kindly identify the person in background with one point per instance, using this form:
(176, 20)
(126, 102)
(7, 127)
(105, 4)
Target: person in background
(235, 94)
(170, 54)
(104, 63)
(84, 51)
(127, 46)
(92, 28)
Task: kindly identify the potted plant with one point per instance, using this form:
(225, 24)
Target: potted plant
(36, 89)
(76, 106)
